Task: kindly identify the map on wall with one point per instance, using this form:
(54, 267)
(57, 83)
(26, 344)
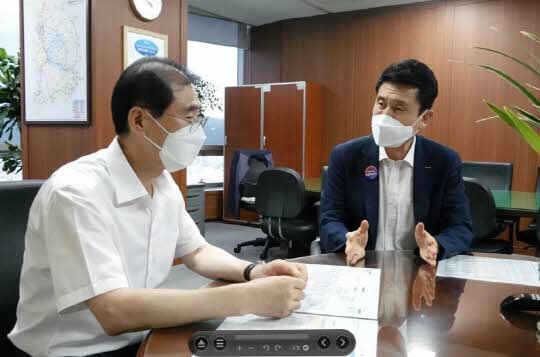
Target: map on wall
(55, 60)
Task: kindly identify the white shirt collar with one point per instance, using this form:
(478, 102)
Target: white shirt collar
(408, 158)
(127, 185)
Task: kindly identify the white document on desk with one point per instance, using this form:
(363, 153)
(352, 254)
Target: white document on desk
(495, 270)
(342, 291)
(364, 331)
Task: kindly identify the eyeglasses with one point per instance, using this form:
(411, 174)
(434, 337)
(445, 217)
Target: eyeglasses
(194, 124)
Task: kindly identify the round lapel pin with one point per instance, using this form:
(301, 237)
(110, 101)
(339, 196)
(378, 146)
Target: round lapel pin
(371, 173)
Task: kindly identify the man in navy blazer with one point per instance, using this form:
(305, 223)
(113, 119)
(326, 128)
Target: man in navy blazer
(395, 189)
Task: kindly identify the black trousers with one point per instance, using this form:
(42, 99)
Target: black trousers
(128, 351)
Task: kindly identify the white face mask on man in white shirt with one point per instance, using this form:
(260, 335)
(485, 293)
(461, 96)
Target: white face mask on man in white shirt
(180, 148)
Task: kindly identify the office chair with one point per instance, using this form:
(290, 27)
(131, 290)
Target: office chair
(16, 198)
(315, 248)
(248, 193)
(484, 221)
(281, 201)
(494, 176)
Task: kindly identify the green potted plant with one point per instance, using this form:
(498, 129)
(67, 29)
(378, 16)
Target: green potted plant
(522, 120)
(10, 109)
(207, 96)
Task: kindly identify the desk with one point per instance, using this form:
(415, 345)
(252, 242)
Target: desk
(516, 203)
(508, 203)
(464, 319)
(313, 185)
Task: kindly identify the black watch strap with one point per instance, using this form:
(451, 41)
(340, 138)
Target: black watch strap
(248, 270)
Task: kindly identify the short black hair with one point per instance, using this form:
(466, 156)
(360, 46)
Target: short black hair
(147, 82)
(412, 73)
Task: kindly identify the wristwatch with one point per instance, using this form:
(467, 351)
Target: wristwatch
(248, 270)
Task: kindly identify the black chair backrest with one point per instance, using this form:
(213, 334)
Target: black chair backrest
(248, 186)
(482, 207)
(280, 193)
(493, 175)
(16, 198)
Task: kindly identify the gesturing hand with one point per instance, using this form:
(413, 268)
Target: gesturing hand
(355, 248)
(429, 248)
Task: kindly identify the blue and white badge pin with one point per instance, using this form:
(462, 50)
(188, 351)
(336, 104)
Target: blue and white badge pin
(371, 173)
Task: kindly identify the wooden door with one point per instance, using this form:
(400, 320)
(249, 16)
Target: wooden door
(283, 124)
(242, 131)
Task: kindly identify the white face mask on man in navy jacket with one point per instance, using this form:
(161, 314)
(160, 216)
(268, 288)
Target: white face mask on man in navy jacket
(389, 132)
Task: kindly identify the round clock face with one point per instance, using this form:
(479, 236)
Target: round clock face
(147, 10)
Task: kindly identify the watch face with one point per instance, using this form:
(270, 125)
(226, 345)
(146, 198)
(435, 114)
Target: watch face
(147, 9)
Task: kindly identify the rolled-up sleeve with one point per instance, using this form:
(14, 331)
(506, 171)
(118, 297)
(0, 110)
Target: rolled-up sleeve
(83, 258)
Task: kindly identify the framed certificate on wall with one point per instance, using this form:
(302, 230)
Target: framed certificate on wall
(142, 43)
(56, 61)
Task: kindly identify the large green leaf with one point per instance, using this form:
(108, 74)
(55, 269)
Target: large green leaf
(532, 36)
(513, 82)
(525, 130)
(532, 123)
(525, 113)
(524, 64)
(501, 114)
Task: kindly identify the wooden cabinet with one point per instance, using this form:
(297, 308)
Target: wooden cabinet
(285, 118)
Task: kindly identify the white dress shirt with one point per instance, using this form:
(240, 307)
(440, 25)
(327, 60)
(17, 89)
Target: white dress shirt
(93, 228)
(396, 210)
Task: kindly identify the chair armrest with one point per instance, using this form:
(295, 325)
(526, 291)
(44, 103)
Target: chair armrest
(315, 248)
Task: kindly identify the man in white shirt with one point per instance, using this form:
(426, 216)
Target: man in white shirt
(103, 232)
(404, 191)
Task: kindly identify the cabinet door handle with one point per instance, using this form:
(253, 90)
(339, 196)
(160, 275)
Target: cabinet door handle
(264, 142)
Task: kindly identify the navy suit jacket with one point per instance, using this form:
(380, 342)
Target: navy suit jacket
(439, 200)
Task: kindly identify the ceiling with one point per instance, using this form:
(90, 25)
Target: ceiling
(260, 12)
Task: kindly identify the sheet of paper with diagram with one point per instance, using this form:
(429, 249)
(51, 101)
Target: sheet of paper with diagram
(342, 291)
